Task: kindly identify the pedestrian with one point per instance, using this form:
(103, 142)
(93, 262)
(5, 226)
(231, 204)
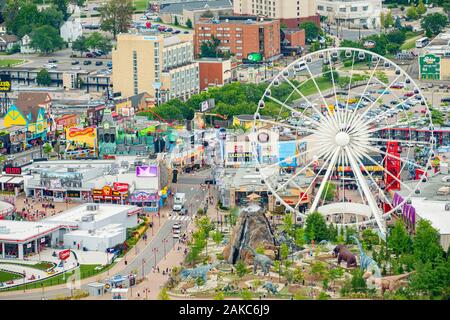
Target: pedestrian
(157, 269)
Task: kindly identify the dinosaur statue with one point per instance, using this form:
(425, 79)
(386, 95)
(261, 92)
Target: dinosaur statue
(343, 253)
(386, 283)
(270, 287)
(260, 259)
(228, 288)
(197, 272)
(366, 262)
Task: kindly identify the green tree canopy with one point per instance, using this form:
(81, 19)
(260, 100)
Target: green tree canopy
(97, 41)
(396, 36)
(399, 240)
(116, 16)
(412, 13)
(311, 30)
(316, 227)
(189, 23)
(80, 45)
(421, 9)
(46, 39)
(434, 23)
(427, 247)
(43, 78)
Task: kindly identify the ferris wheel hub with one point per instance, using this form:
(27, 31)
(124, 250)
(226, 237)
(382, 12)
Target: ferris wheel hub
(342, 139)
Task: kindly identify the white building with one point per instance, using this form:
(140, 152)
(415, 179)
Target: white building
(96, 240)
(25, 43)
(71, 29)
(351, 13)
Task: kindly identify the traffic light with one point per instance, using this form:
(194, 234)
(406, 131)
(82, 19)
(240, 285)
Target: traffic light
(174, 176)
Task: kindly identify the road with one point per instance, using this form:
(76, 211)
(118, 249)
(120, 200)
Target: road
(188, 185)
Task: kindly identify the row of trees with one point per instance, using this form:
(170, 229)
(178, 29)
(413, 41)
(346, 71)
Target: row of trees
(94, 41)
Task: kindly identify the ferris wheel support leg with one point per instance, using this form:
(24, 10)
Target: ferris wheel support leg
(369, 196)
(325, 179)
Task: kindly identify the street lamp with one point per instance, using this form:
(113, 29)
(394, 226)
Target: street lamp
(155, 251)
(143, 264)
(164, 241)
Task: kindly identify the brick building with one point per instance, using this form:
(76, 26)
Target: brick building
(240, 35)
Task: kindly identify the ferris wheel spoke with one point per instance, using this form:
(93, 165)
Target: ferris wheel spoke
(295, 175)
(324, 180)
(365, 89)
(349, 88)
(293, 157)
(335, 113)
(308, 102)
(289, 126)
(386, 171)
(397, 140)
(321, 95)
(313, 181)
(379, 96)
(403, 160)
(296, 111)
(365, 188)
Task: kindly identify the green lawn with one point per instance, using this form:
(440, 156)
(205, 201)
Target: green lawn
(140, 5)
(40, 265)
(9, 62)
(308, 88)
(6, 276)
(410, 43)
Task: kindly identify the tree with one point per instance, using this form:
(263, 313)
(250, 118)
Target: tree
(382, 19)
(358, 283)
(219, 296)
(332, 232)
(97, 41)
(217, 237)
(332, 77)
(299, 237)
(369, 238)
(189, 23)
(241, 268)
(335, 273)
(432, 281)
(80, 45)
(209, 49)
(396, 36)
(43, 78)
(61, 5)
(421, 9)
(412, 14)
(437, 117)
(399, 240)
(388, 20)
(116, 16)
(176, 21)
(246, 295)
(434, 23)
(298, 276)
(287, 225)
(284, 251)
(311, 30)
(51, 16)
(163, 295)
(316, 227)
(330, 188)
(426, 243)
(47, 148)
(20, 17)
(318, 269)
(46, 39)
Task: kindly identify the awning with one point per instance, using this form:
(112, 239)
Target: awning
(4, 179)
(16, 180)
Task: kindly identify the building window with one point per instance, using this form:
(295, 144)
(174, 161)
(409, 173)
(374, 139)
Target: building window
(342, 10)
(320, 7)
(354, 9)
(365, 8)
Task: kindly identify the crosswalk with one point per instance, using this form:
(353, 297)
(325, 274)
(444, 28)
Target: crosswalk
(180, 218)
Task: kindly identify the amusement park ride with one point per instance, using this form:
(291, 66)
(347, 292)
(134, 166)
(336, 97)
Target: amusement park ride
(344, 137)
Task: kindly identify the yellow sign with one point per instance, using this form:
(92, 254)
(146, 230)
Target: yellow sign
(83, 136)
(5, 83)
(368, 168)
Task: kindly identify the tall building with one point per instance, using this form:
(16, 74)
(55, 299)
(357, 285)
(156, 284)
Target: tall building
(351, 13)
(163, 66)
(240, 35)
(290, 12)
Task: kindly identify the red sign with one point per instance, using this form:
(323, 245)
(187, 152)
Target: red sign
(73, 132)
(13, 170)
(121, 187)
(64, 255)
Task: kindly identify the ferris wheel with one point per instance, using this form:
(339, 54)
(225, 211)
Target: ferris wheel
(349, 128)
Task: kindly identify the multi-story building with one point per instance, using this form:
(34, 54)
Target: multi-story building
(351, 13)
(290, 12)
(240, 36)
(163, 66)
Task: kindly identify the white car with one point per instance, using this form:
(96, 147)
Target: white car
(143, 18)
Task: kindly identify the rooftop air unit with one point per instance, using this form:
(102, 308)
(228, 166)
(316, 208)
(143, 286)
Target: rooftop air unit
(92, 207)
(87, 218)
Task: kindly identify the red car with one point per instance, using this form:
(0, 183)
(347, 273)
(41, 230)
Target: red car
(409, 94)
(397, 86)
(89, 55)
(162, 28)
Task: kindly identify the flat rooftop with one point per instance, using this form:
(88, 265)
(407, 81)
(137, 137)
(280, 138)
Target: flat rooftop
(105, 211)
(107, 231)
(19, 231)
(434, 211)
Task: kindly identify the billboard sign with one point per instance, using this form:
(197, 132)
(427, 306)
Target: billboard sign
(121, 187)
(64, 255)
(5, 83)
(255, 57)
(430, 67)
(87, 136)
(13, 170)
(287, 154)
(146, 171)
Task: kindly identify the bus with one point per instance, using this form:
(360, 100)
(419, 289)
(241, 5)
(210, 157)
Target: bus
(422, 42)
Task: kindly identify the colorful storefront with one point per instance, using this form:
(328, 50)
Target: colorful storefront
(117, 193)
(81, 142)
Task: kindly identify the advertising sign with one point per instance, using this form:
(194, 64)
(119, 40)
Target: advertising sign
(430, 67)
(287, 152)
(121, 187)
(5, 83)
(144, 197)
(146, 171)
(64, 255)
(255, 57)
(82, 136)
(73, 194)
(13, 170)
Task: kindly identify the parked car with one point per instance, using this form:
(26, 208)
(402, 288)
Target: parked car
(109, 64)
(89, 55)
(87, 62)
(52, 61)
(98, 63)
(75, 62)
(176, 32)
(186, 32)
(210, 181)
